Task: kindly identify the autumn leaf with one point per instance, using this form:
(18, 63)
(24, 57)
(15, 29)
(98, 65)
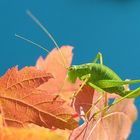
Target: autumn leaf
(1, 121)
(23, 103)
(84, 99)
(10, 133)
(32, 132)
(22, 81)
(111, 127)
(114, 124)
(54, 63)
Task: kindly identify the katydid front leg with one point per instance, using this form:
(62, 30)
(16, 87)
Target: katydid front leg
(85, 79)
(98, 57)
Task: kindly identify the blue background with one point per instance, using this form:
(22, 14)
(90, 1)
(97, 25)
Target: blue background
(109, 26)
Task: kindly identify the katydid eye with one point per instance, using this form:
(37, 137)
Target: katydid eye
(71, 69)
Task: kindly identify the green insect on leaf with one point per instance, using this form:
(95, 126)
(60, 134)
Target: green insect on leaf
(95, 74)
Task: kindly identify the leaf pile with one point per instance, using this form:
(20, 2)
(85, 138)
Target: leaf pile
(35, 104)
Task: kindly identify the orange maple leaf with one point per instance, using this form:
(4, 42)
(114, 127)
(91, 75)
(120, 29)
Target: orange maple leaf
(54, 64)
(23, 103)
(10, 133)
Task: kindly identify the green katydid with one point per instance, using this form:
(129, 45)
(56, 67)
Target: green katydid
(96, 75)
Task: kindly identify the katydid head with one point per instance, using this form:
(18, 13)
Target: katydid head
(72, 74)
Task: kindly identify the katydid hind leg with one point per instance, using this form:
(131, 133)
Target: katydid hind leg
(129, 94)
(132, 93)
(114, 83)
